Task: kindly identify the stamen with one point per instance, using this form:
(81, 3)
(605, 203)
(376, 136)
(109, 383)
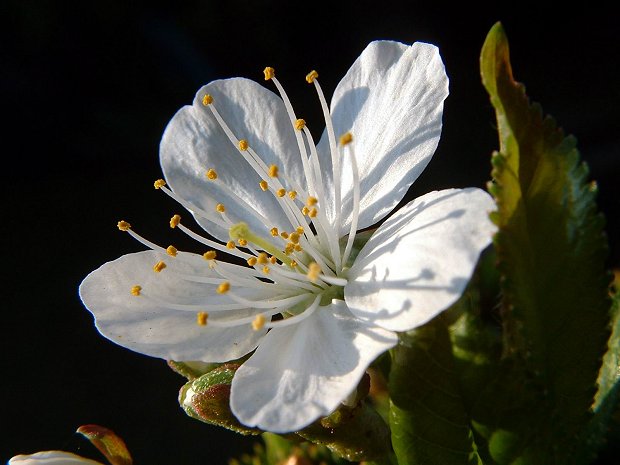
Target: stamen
(223, 288)
(311, 76)
(201, 318)
(220, 208)
(135, 290)
(172, 251)
(311, 201)
(252, 261)
(230, 245)
(174, 221)
(313, 271)
(300, 124)
(269, 73)
(263, 185)
(242, 242)
(258, 322)
(266, 269)
(273, 171)
(346, 138)
(159, 266)
(281, 192)
(159, 184)
(297, 318)
(273, 260)
(300, 230)
(123, 225)
(334, 155)
(241, 230)
(313, 212)
(356, 203)
(209, 255)
(262, 258)
(292, 195)
(212, 174)
(274, 232)
(207, 100)
(243, 145)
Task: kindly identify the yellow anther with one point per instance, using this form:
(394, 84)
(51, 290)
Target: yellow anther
(313, 212)
(223, 288)
(252, 261)
(269, 73)
(281, 192)
(242, 242)
(258, 322)
(293, 263)
(123, 225)
(300, 124)
(304, 210)
(292, 194)
(266, 269)
(346, 138)
(262, 258)
(159, 266)
(220, 208)
(209, 255)
(284, 235)
(136, 290)
(174, 221)
(273, 171)
(298, 248)
(212, 174)
(243, 145)
(311, 201)
(294, 238)
(263, 185)
(273, 260)
(230, 245)
(311, 76)
(207, 100)
(313, 271)
(159, 184)
(274, 232)
(300, 230)
(201, 318)
(172, 251)
(288, 249)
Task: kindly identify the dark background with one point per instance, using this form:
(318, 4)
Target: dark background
(86, 90)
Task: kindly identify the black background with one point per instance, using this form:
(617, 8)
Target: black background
(86, 91)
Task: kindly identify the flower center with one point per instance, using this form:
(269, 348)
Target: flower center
(295, 271)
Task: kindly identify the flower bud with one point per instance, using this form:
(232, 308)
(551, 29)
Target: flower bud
(206, 398)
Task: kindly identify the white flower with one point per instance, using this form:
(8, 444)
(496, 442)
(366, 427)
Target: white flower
(51, 457)
(247, 168)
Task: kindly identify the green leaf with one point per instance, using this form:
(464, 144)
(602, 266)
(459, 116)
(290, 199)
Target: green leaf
(108, 443)
(551, 251)
(428, 418)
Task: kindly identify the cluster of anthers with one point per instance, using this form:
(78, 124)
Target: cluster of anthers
(305, 267)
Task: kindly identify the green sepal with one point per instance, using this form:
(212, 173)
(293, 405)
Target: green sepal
(191, 370)
(354, 433)
(207, 399)
(108, 443)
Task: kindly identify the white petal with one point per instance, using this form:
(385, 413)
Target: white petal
(302, 372)
(391, 100)
(145, 325)
(420, 260)
(51, 457)
(194, 142)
